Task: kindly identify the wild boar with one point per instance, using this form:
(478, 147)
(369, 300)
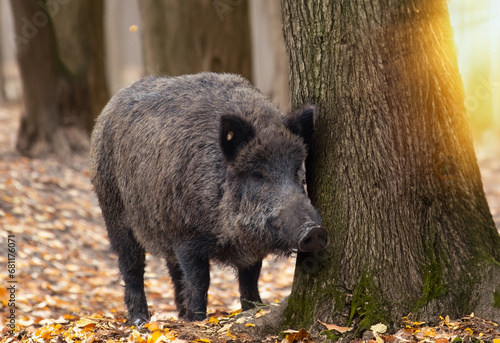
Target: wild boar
(198, 168)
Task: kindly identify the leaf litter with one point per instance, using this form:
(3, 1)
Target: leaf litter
(70, 290)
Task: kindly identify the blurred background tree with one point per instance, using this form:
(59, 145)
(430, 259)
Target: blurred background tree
(60, 52)
(186, 37)
(2, 76)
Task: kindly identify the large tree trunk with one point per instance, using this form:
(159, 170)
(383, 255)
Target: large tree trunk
(393, 170)
(83, 92)
(60, 54)
(36, 55)
(184, 37)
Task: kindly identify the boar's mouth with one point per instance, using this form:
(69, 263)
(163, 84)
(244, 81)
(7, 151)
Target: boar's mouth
(313, 239)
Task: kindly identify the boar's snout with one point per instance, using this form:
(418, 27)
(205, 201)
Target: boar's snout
(314, 239)
(303, 222)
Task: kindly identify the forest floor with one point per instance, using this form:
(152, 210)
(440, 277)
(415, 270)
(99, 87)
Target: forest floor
(67, 287)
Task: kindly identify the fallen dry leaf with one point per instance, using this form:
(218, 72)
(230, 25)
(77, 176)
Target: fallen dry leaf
(261, 313)
(341, 329)
(294, 336)
(379, 328)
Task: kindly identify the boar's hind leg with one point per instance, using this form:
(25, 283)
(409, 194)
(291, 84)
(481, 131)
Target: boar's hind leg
(195, 266)
(178, 280)
(131, 261)
(131, 255)
(249, 292)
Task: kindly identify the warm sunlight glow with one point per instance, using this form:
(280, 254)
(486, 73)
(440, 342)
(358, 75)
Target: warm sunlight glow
(476, 28)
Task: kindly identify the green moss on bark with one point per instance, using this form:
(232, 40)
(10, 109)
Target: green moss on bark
(496, 299)
(366, 306)
(299, 312)
(330, 335)
(433, 287)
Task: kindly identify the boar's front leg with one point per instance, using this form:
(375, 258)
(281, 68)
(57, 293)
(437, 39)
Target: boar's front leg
(249, 290)
(195, 266)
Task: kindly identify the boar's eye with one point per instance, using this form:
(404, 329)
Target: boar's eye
(301, 177)
(257, 175)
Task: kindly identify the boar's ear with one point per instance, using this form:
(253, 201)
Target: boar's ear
(301, 122)
(235, 133)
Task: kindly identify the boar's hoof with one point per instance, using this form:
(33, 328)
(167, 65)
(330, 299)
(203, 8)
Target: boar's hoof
(139, 321)
(194, 316)
(315, 239)
(248, 304)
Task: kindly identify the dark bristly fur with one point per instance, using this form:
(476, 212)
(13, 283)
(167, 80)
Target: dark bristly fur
(198, 168)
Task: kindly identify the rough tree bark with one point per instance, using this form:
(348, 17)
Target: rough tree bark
(60, 53)
(393, 169)
(185, 37)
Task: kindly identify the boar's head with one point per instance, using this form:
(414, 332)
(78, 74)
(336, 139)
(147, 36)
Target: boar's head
(265, 192)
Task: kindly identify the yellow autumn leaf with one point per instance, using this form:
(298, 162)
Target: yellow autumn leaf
(469, 330)
(213, 320)
(249, 325)
(202, 340)
(48, 332)
(152, 326)
(84, 322)
(261, 313)
(430, 333)
(133, 28)
(228, 333)
(88, 328)
(154, 337)
(169, 335)
(135, 337)
(297, 335)
(234, 313)
(496, 340)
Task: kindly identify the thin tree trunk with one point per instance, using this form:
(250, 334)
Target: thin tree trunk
(281, 90)
(393, 169)
(61, 56)
(2, 76)
(184, 37)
